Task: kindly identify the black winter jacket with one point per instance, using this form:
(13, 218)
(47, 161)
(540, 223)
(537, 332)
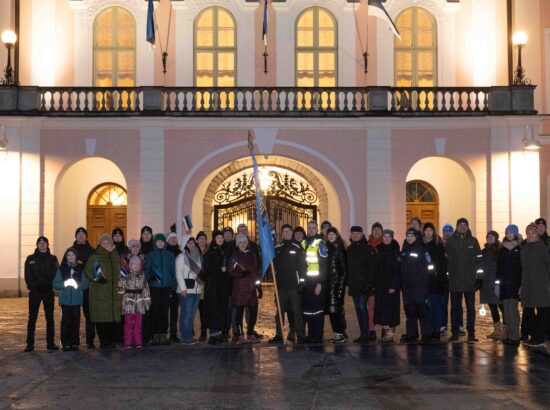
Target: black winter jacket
(336, 276)
(509, 271)
(415, 279)
(290, 265)
(439, 282)
(361, 267)
(40, 270)
(83, 251)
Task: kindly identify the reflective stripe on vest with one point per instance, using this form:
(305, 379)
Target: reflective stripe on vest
(312, 257)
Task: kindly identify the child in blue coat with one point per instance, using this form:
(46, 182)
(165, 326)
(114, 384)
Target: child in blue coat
(71, 283)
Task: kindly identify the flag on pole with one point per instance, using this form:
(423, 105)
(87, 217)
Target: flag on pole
(150, 35)
(264, 229)
(376, 8)
(264, 35)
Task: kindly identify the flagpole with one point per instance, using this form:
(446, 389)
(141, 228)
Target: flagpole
(278, 304)
(265, 59)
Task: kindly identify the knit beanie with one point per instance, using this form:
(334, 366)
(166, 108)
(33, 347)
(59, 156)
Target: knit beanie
(146, 229)
(42, 238)
(493, 233)
(462, 221)
(134, 242)
(201, 233)
(513, 229)
(81, 230)
(376, 225)
(216, 233)
(448, 228)
(332, 230)
(389, 232)
(412, 231)
(171, 235)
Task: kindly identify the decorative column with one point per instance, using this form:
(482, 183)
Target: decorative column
(152, 177)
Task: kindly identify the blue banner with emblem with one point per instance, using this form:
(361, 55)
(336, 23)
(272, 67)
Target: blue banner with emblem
(264, 228)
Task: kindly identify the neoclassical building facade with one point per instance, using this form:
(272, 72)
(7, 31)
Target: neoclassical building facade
(351, 123)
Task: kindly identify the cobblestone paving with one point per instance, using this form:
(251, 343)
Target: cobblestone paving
(486, 375)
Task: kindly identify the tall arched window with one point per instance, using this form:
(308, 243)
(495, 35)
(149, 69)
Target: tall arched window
(416, 52)
(316, 48)
(114, 48)
(215, 48)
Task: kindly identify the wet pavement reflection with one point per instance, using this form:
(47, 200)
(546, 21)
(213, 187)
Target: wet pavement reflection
(486, 375)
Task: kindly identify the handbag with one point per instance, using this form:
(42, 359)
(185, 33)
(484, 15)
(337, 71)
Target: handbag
(190, 283)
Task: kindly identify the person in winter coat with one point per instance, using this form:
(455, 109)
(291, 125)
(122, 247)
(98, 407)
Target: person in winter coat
(83, 251)
(215, 288)
(173, 247)
(337, 272)
(535, 284)
(229, 247)
(464, 263)
(375, 239)
(243, 268)
(290, 267)
(438, 295)
(202, 243)
(446, 233)
(103, 273)
(487, 292)
(361, 272)
(40, 270)
(136, 300)
(188, 276)
(160, 270)
(415, 286)
(146, 240)
(541, 226)
(387, 283)
(508, 283)
(119, 242)
(71, 283)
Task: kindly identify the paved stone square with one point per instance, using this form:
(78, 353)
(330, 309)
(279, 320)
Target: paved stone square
(486, 375)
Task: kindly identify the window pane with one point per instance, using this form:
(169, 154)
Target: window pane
(104, 60)
(306, 20)
(305, 37)
(406, 38)
(403, 61)
(226, 69)
(205, 33)
(205, 69)
(226, 37)
(325, 19)
(126, 29)
(424, 38)
(305, 74)
(126, 64)
(423, 19)
(403, 79)
(327, 79)
(326, 37)
(425, 61)
(327, 61)
(103, 27)
(404, 19)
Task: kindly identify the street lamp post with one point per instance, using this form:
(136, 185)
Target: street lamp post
(519, 40)
(9, 38)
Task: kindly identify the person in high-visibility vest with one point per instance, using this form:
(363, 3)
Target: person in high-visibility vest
(313, 296)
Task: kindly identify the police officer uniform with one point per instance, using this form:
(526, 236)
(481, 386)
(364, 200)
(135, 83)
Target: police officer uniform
(291, 268)
(313, 305)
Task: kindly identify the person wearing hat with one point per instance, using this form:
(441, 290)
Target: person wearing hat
(416, 268)
(387, 284)
(298, 235)
(375, 239)
(313, 295)
(487, 295)
(438, 295)
(535, 284)
(103, 273)
(541, 226)
(119, 242)
(202, 243)
(324, 228)
(447, 232)
(290, 267)
(215, 289)
(173, 247)
(40, 270)
(146, 240)
(361, 260)
(336, 285)
(83, 252)
(244, 269)
(160, 270)
(507, 284)
(465, 266)
(71, 283)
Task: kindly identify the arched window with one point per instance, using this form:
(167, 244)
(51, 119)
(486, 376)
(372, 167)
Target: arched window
(215, 48)
(316, 48)
(114, 48)
(416, 52)
(422, 202)
(108, 194)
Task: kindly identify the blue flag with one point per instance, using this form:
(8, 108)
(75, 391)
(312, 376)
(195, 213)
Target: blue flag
(264, 229)
(97, 271)
(264, 35)
(150, 35)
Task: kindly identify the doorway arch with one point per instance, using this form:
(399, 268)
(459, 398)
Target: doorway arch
(72, 189)
(422, 202)
(106, 210)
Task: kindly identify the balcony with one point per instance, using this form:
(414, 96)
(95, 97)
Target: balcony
(267, 101)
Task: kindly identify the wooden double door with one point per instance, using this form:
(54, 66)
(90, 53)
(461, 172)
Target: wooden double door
(103, 219)
(422, 202)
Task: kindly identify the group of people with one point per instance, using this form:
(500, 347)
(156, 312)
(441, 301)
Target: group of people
(139, 293)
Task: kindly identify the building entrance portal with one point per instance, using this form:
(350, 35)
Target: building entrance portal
(289, 199)
(107, 210)
(422, 202)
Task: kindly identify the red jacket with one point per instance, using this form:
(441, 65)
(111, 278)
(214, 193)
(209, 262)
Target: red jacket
(243, 268)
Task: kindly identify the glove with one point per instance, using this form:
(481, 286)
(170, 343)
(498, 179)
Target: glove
(260, 292)
(497, 291)
(101, 280)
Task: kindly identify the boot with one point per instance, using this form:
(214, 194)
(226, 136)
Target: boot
(383, 334)
(503, 334)
(388, 336)
(497, 331)
(155, 339)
